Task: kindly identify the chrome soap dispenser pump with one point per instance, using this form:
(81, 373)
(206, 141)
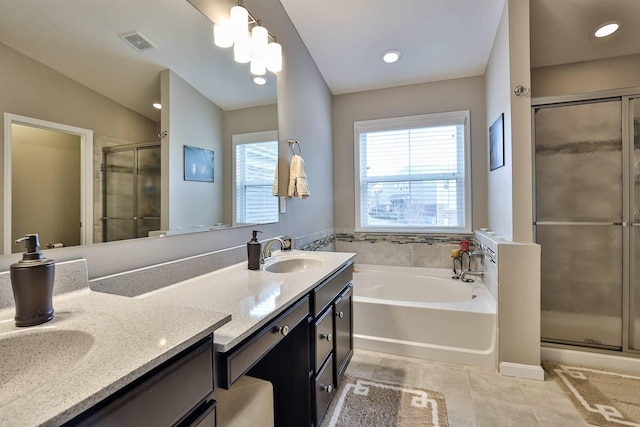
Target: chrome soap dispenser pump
(32, 283)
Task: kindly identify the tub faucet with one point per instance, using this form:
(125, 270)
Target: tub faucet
(477, 273)
(266, 250)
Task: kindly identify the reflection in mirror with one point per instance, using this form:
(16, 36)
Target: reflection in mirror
(80, 74)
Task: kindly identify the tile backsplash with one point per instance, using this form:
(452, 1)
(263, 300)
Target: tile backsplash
(407, 250)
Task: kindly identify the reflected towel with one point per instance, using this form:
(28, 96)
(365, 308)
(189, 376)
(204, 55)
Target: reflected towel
(274, 190)
(298, 184)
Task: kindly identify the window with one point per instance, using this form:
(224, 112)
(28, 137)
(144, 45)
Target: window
(412, 173)
(255, 161)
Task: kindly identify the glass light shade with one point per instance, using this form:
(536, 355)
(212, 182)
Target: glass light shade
(274, 57)
(242, 50)
(222, 36)
(239, 18)
(259, 40)
(258, 67)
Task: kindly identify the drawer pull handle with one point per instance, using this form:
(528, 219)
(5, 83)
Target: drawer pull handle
(283, 330)
(340, 314)
(327, 388)
(327, 337)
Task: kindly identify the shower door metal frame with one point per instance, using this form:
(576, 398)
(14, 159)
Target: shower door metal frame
(628, 228)
(114, 149)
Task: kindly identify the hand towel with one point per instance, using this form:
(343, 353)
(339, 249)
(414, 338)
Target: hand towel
(274, 190)
(298, 184)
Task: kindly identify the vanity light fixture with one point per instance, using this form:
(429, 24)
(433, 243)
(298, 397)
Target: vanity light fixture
(157, 106)
(391, 55)
(258, 47)
(606, 29)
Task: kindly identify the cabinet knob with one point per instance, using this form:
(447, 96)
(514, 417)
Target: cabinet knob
(328, 388)
(340, 314)
(327, 337)
(283, 330)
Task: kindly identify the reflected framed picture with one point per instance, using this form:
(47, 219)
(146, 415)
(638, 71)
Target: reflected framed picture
(496, 143)
(198, 164)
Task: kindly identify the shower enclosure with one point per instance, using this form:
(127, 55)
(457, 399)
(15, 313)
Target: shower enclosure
(587, 220)
(131, 191)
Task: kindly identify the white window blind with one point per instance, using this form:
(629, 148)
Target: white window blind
(255, 159)
(412, 173)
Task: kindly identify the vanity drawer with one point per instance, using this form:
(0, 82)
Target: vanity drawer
(163, 397)
(325, 389)
(327, 291)
(237, 362)
(324, 337)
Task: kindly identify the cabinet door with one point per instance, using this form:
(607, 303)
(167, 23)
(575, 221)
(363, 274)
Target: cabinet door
(343, 331)
(324, 337)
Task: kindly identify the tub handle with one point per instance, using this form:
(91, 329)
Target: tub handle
(328, 388)
(340, 314)
(327, 337)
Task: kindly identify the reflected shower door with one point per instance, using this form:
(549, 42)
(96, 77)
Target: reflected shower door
(634, 324)
(148, 191)
(578, 222)
(118, 195)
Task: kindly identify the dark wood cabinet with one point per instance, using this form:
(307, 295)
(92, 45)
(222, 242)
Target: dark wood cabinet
(333, 331)
(343, 332)
(177, 393)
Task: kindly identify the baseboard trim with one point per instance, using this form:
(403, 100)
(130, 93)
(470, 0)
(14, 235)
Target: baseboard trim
(519, 370)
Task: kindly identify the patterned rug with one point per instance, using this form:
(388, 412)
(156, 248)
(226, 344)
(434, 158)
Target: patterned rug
(361, 402)
(606, 399)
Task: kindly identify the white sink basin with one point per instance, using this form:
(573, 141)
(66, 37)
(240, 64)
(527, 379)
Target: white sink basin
(31, 358)
(292, 265)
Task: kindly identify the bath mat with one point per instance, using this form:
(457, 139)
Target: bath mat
(606, 399)
(361, 402)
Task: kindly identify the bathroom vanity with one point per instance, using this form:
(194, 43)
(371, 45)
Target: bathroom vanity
(157, 357)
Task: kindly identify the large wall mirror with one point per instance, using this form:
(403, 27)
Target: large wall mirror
(84, 76)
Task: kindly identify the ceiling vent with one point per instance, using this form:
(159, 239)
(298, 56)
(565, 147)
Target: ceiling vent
(137, 41)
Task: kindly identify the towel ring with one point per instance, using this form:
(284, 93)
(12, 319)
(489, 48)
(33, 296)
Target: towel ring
(292, 143)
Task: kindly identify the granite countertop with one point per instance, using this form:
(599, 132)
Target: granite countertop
(118, 339)
(253, 297)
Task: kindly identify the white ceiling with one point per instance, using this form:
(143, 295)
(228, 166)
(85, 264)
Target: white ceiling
(561, 31)
(440, 39)
(79, 39)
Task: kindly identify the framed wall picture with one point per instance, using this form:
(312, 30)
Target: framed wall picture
(198, 164)
(496, 143)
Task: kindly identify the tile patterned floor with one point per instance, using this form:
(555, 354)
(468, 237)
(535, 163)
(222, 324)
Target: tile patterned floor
(475, 397)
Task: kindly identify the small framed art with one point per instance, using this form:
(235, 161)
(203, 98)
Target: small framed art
(198, 164)
(496, 143)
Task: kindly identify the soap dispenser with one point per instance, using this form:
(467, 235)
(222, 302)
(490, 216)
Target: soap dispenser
(32, 283)
(253, 251)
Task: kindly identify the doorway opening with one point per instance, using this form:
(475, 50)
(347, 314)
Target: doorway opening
(47, 182)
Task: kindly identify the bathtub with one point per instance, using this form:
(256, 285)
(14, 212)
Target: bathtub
(423, 313)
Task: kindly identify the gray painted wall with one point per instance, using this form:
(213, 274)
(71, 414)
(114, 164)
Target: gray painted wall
(437, 97)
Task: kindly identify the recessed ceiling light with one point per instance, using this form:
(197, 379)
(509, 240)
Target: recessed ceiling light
(259, 80)
(606, 29)
(157, 105)
(392, 55)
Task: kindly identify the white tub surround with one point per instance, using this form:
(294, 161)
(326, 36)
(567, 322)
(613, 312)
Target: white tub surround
(424, 313)
(132, 335)
(512, 275)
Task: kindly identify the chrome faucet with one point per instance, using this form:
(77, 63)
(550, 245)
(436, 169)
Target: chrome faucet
(479, 253)
(267, 248)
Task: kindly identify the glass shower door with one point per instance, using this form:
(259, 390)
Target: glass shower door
(578, 222)
(634, 323)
